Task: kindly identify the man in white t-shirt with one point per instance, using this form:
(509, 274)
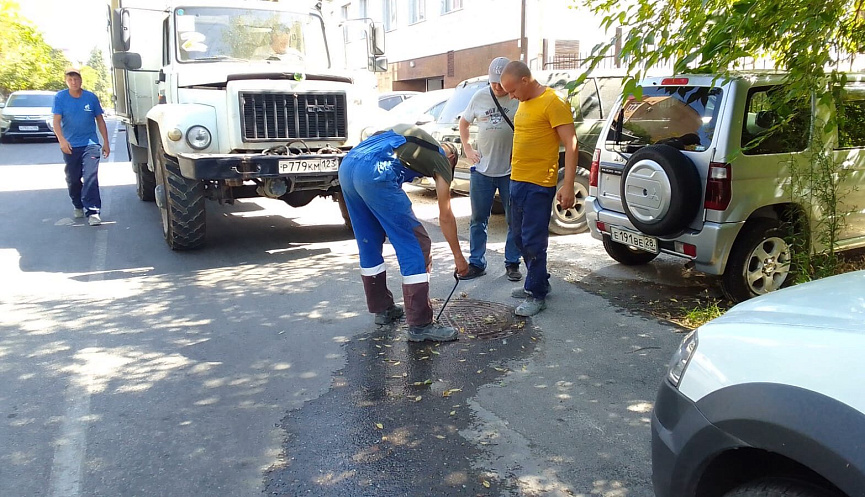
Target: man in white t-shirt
(493, 110)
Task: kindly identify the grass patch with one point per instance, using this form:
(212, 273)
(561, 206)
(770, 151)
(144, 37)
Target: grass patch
(703, 313)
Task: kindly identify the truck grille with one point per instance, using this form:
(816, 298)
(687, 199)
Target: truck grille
(286, 116)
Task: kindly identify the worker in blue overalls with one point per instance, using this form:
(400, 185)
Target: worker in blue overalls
(371, 176)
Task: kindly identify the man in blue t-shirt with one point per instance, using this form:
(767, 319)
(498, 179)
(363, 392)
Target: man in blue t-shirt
(77, 114)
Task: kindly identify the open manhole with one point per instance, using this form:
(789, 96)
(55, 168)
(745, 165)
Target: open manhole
(480, 319)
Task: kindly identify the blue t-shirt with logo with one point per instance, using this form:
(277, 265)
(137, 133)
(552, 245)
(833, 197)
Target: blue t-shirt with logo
(78, 117)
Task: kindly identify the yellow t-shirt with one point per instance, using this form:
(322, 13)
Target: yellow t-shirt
(536, 142)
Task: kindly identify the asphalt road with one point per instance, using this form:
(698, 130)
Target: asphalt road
(251, 366)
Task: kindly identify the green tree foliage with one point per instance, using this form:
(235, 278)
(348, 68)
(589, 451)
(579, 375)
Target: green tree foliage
(807, 39)
(101, 84)
(27, 62)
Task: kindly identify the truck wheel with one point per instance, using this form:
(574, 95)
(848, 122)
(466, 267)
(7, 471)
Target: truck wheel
(343, 209)
(626, 255)
(183, 215)
(571, 221)
(760, 261)
(146, 183)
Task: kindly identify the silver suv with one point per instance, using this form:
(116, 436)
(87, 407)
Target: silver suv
(675, 174)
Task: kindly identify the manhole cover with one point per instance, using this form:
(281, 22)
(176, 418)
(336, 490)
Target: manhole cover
(480, 319)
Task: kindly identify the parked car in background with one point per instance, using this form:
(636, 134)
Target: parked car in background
(699, 168)
(767, 399)
(590, 104)
(420, 109)
(27, 113)
(389, 100)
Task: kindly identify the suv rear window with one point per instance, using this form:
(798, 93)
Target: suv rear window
(680, 116)
(458, 102)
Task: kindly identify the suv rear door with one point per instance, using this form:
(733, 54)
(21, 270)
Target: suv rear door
(681, 114)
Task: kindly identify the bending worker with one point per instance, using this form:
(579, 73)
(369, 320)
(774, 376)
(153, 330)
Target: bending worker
(371, 176)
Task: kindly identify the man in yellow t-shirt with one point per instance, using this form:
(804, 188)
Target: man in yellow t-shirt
(542, 121)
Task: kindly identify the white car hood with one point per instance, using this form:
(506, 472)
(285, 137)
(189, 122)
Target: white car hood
(837, 302)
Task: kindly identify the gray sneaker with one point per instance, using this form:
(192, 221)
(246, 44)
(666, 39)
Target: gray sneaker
(94, 220)
(389, 315)
(521, 293)
(78, 213)
(433, 332)
(530, 307)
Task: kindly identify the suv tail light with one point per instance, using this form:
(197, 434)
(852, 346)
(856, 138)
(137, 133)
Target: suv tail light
(718, 187)
(596, 166)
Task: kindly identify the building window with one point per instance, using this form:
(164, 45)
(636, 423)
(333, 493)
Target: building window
(451, 5)
(363, 13)
(416, 11)
(344, 16)
(389, 14)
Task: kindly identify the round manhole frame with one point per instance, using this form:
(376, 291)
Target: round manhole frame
(480, 318)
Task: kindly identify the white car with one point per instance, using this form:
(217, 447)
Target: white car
(767, 400)
(27, 113)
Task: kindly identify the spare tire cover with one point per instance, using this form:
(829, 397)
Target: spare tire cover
(661, 190)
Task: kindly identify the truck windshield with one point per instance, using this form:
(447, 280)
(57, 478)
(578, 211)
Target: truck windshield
(206, 34)
(680, 116)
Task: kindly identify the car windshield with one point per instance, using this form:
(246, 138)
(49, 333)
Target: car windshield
(458, 102)
(415, 107)
(680, 116)
(208, 33)
(30, 101)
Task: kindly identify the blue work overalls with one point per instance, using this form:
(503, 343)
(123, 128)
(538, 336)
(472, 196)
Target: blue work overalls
(371, 178)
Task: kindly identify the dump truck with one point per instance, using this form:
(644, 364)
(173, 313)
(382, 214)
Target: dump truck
(224, 100)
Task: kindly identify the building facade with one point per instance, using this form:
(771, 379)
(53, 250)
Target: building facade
(433, 44)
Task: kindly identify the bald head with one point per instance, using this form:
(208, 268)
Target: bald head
(517, 70)
(518, 82)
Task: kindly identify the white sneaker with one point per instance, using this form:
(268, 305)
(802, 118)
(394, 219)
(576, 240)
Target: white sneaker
(78, 213)
(94, 220)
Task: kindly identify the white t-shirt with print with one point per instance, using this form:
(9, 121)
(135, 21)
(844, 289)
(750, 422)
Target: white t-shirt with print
(495, 136)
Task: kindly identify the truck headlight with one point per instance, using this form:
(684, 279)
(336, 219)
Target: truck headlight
(198, 137)
(681, 358)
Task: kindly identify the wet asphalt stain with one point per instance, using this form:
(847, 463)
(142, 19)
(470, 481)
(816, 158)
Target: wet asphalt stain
(390, 423)
(666, 303)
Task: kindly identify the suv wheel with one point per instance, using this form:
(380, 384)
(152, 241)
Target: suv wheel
(779, 487)
(760, 262)
(626, 255)
(660, 190)
(573, 220)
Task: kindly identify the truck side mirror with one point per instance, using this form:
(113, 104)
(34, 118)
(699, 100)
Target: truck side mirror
(122, 39)
(376, 39)
(377, 64)
(126, 60)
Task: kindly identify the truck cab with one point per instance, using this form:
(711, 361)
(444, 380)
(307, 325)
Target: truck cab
(225, 100)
